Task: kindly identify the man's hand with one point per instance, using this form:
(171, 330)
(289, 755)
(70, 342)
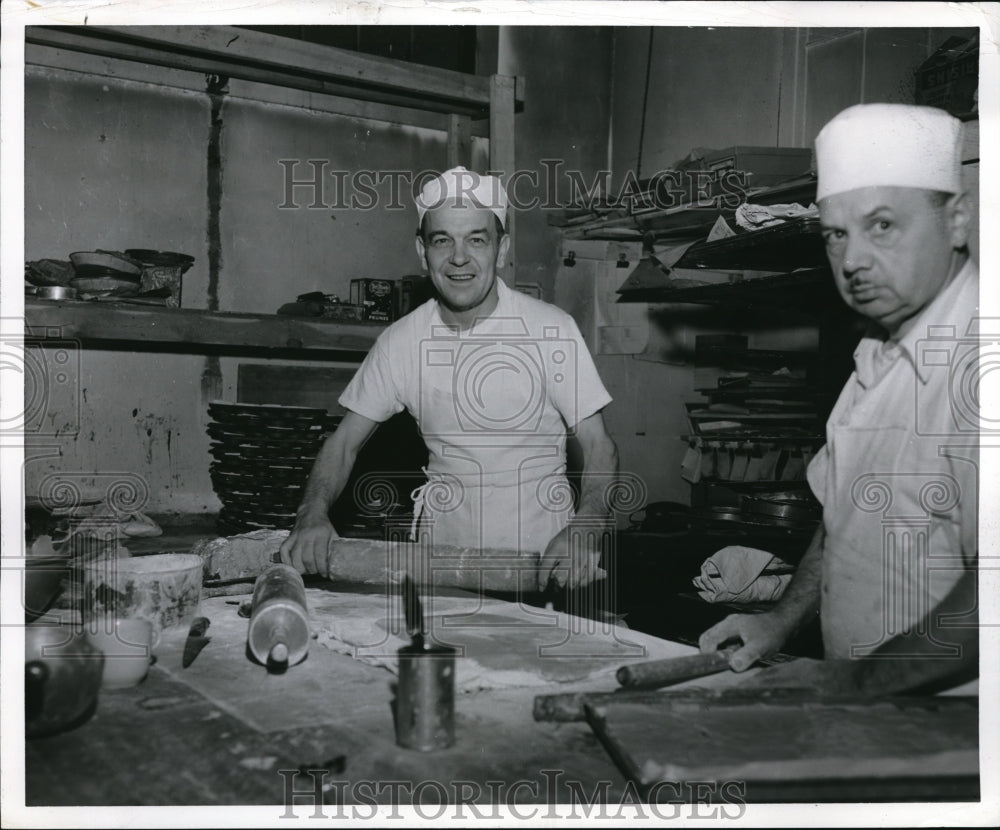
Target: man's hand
(307, 547)
(572, 557)
(761, 634)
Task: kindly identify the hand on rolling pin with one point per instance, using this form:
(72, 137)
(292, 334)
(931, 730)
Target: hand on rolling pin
(761, 636)
(307, 547)
(572, 558)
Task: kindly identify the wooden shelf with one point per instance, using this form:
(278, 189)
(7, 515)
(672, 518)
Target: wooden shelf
(123, 326)
(810, 291)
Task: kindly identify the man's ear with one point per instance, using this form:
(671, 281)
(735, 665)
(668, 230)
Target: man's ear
(422, 252)
(502, 250)
(958, 210)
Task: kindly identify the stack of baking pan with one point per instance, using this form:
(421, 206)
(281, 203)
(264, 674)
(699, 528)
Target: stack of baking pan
(262, 458)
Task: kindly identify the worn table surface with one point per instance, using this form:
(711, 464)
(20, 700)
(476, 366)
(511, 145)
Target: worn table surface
(221, 731)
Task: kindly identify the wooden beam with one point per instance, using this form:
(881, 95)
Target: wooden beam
(124, 326)
(502, 159)
(38, 58)
(256, 56)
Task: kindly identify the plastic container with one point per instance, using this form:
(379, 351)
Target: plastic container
(278, 635)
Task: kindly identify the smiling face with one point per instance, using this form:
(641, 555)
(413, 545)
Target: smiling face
(462, 250)
(892, 249)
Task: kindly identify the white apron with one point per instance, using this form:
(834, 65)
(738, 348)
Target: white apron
(519, 510)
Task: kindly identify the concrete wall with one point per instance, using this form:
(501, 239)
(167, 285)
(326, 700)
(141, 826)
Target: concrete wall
(117, 165)
(273, 253)
(568, 76)
(707, 88)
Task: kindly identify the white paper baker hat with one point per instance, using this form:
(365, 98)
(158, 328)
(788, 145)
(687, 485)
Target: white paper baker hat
(461, 185)
(889, 145)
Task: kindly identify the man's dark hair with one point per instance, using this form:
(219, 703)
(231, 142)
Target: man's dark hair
(496, 223)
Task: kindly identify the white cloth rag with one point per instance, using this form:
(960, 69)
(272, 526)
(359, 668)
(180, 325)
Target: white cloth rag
(736, 574)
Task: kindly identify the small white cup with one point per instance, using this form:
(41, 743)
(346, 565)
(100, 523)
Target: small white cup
(127, 644)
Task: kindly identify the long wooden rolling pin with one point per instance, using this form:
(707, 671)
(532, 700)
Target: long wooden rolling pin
(375, 562)
(639, 682)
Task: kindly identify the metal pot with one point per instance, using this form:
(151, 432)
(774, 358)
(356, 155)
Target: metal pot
(62, 676)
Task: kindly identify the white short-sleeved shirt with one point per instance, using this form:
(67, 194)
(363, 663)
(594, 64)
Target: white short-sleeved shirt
(493, 405)
(898, 475)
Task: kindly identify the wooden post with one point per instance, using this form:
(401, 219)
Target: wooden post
(502, 153)
(459, 141)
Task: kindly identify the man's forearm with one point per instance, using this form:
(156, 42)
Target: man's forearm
(801, 599)
(327, 480)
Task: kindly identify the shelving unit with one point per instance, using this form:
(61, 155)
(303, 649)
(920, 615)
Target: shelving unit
(762, 454)
(234, 52)
(683, 221)
(809, 291)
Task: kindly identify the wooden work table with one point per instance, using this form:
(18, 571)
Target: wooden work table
(226, 732)
(168, 741)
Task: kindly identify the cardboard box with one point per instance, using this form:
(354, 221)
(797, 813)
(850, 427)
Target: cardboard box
(378, 297)
(949, 78)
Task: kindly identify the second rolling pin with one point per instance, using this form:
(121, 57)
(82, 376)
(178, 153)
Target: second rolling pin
(658, 673)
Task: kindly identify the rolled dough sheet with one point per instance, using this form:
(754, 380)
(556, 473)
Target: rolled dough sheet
(500, 644)
(504, 646)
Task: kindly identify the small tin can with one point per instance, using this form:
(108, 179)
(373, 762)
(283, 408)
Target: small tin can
(425, 698)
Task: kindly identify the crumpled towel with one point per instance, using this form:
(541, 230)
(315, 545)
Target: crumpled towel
(752, 217)
(736, 574)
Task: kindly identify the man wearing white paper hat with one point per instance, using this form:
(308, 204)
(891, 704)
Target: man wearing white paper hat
(897, 550)
(495, 379)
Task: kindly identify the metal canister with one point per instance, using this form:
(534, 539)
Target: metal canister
(425, 698)
(278, 635)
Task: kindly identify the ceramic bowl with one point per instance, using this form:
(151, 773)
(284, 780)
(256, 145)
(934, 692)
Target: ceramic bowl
(164, 588)
(101, 263)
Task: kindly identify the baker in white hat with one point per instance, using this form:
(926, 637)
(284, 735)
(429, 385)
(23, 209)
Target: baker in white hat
(897, 477)
(496, 381)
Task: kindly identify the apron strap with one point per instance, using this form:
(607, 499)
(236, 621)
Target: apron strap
(418, 503)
